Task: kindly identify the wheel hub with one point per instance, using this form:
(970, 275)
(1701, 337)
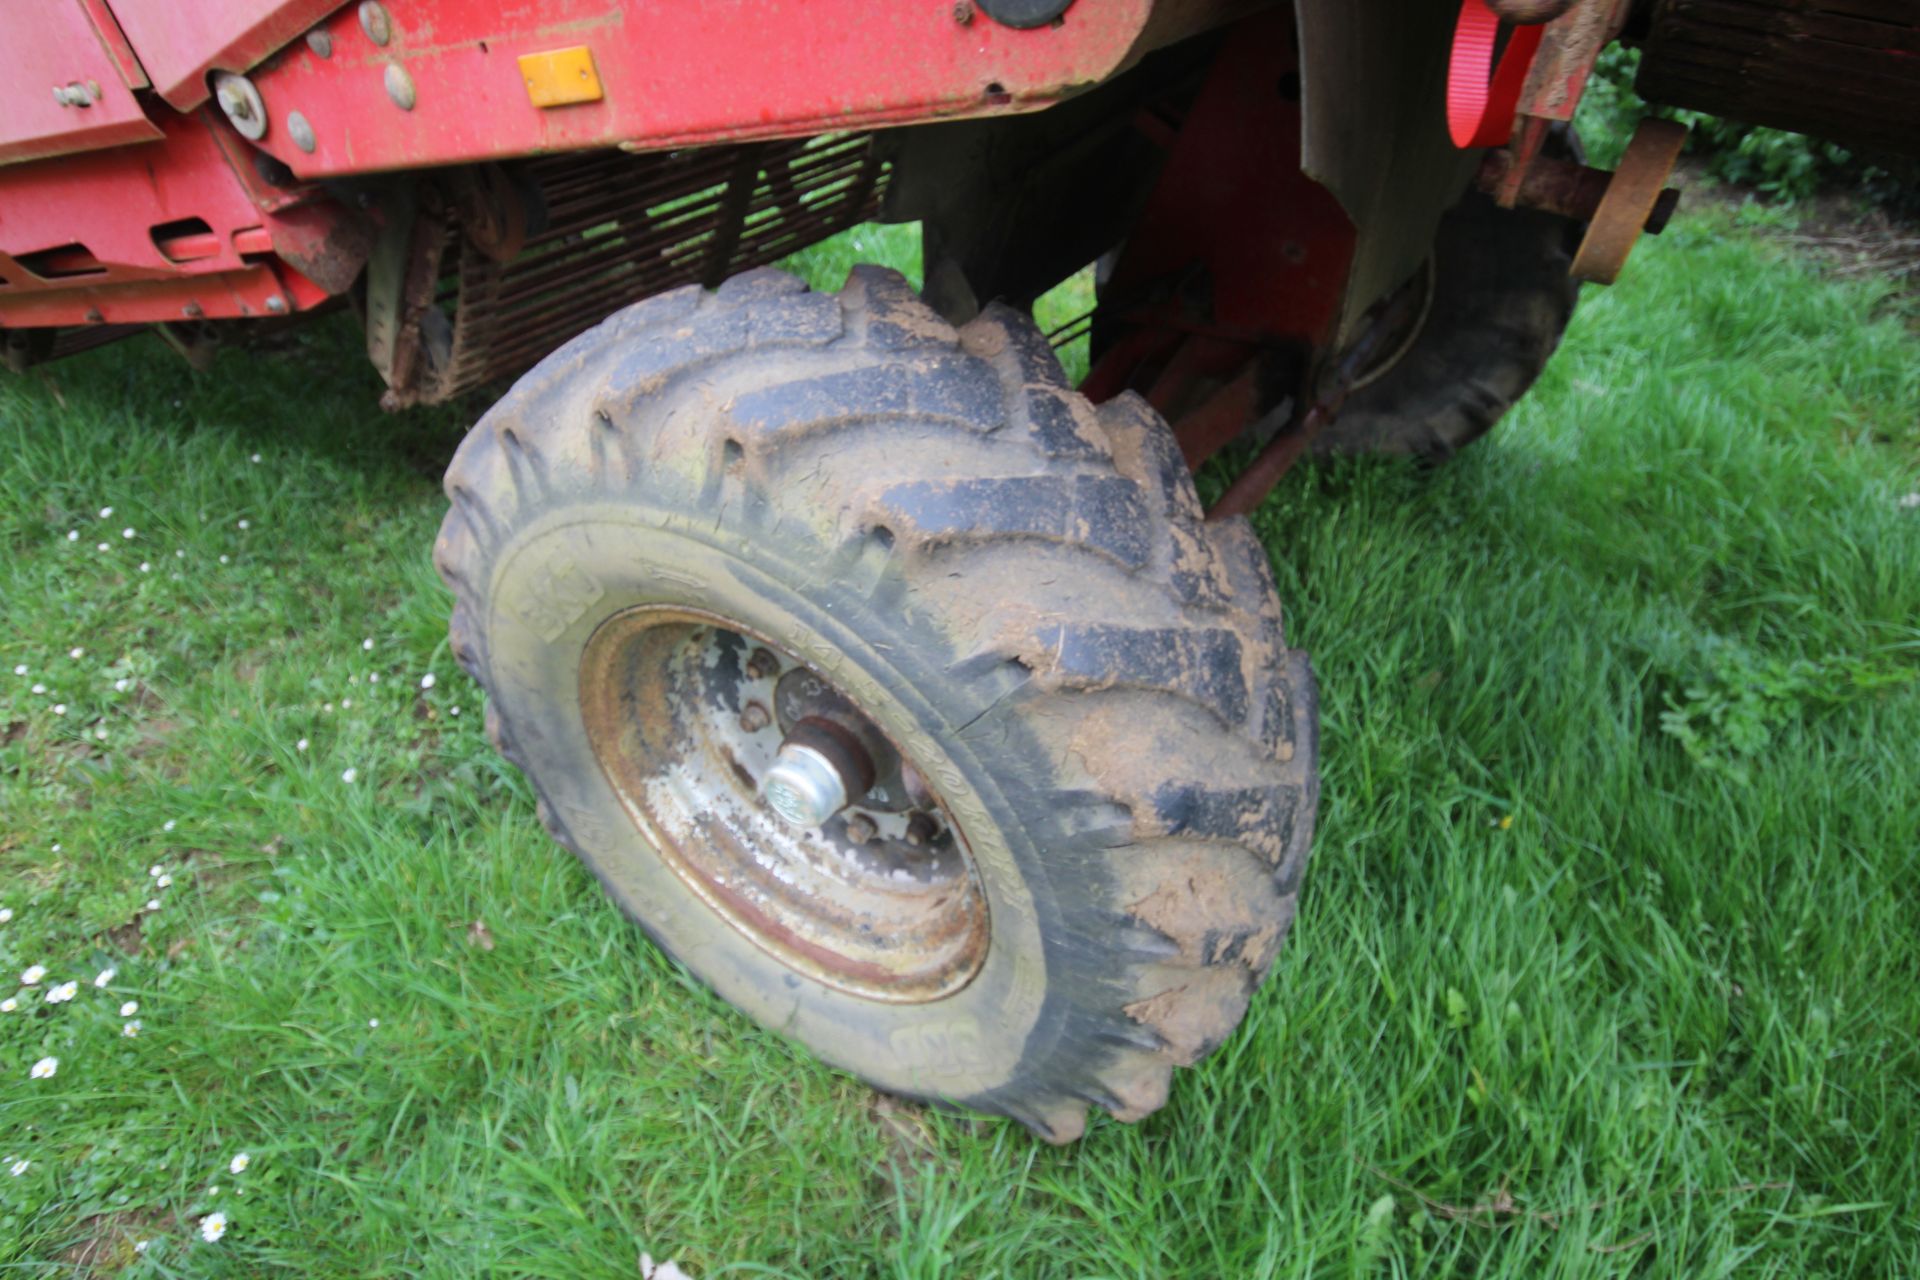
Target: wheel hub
(783, 805)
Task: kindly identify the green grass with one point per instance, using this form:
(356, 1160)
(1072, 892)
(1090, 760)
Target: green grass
(1663, 1022)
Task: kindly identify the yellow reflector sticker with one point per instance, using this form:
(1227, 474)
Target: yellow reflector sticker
(560, 76)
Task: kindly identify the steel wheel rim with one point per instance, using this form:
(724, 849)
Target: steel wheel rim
(684, 722)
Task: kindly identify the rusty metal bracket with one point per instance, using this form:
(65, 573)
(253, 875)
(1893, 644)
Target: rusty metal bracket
(1630, 200)
(401, 275)
(1566, 188)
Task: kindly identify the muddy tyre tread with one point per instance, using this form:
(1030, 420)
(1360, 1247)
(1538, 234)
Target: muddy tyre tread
(1089, 608)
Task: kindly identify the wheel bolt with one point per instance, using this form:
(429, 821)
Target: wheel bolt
(754, 717)
(761, 663)
(860, 828)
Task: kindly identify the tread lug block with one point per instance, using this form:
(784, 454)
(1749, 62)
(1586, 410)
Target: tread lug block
(1195, 1016)
(946, 390)
(1029, 357)
(1266, 820)
(1138, 1091)
(672, 308)
(645, 369)
(1245, 569)
(896, 319)
(1102, 512)
(1201, 665)
(1215, 905)
(1063, 426)
(843, 507)
(758, 285)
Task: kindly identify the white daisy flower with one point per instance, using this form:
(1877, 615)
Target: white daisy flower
(348, 775)
(126, 533)
(180, 554)
(213, 1226)
(106, 512)
(6, 914)
(373, 1022)
(168, 825)
(345, 703)
(39, 688)
(44, 1068)
(62, 993)
(141, 1246)
(129, 1008)
(19, 1167)
(153, 904)
(239, 1163)
(328, 708)
(31, 975)
(373, 677)
(73, 535)
(254, 458)
(105, 976)
(224, 560)
(245, 524)
(162, 881)
(300, 745)
(145, 567)
(122, 685)
(130, 1028)
(9, 1005)
(367, 644)
(75, 652)
(20, 670)
(59, 708)
(155, 871)
(453, 711)
(102, 547)
(100, 733)
(426, 681)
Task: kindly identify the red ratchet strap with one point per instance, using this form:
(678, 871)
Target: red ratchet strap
(1482, 98)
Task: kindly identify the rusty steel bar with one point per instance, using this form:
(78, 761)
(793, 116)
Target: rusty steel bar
(1565, 187)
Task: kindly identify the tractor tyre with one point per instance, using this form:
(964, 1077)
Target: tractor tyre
(1496, 298)
(1080, 756)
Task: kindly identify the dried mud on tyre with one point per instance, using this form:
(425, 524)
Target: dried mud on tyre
(1015, 588)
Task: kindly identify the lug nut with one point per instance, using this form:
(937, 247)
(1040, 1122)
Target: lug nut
(860, 828)
(754, 717)
(761, 663)
(803, 786)
(921, 830)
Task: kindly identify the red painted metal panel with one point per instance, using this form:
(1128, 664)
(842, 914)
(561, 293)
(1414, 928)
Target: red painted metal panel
(91, 231)
(673, 74)
(44, 47)
(1232, 204)
(248, 291)
(180, 41)
(114, 40)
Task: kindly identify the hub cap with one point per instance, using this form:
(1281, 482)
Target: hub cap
(778, 801)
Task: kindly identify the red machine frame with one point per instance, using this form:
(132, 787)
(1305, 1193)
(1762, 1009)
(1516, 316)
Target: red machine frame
(167, 213)
(128, 197)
